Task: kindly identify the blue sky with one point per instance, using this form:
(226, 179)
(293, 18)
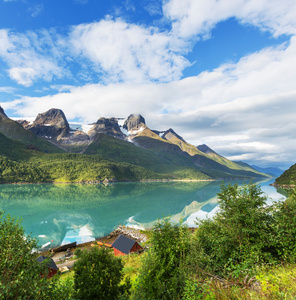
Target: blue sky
(217, 72)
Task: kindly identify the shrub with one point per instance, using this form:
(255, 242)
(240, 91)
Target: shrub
(19, 271)
(162, 274)
(284, 214)
(98, 275)
(239, 235)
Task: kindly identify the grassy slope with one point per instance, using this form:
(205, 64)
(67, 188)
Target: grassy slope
(18, 164)
(159, 162)
(225, 167)
(202, 162)
(16, 132)
(113, 159)
(183, 145)
(288, 177)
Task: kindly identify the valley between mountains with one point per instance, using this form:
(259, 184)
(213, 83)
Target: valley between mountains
(49, 149)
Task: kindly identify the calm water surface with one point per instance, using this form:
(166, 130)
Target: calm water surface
(63, 213)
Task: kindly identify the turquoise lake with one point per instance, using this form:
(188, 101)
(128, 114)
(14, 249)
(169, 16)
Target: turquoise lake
(61, 213)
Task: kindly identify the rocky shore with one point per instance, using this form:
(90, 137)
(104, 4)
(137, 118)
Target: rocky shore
(132, 233)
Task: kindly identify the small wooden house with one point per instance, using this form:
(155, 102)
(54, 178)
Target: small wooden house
(124, 245)
(52, 267)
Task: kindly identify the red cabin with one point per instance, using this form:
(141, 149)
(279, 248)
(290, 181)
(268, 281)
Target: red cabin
(124, 245)
(52, 267)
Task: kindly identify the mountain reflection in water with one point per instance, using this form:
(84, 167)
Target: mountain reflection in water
(64, 213)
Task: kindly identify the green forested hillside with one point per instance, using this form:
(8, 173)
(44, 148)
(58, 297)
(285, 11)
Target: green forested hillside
(288, 177)
(106, 157)
(167, 164)
(28, 158)
(20, 164)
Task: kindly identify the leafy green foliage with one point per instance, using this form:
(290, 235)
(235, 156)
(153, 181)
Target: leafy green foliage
(98, 275)
(245, 232)
(284, 214)
(12, 171)
(162, 275)
(20, 273)
(238, 236)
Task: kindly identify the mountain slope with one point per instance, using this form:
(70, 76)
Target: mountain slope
(122, 151)
(173, 147)
(141, 153)
(288, 177)
(273, 171)
(174, 138)
(226, 162)
(15, 131)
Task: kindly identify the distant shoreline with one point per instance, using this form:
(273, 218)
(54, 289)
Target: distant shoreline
(284, 186)
(94, 182)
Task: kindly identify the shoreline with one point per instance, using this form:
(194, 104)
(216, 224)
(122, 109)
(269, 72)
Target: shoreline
(106, 182)
(111, 182)
(284, 186)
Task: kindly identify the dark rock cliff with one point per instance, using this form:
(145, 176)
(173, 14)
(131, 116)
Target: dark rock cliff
(133, 121)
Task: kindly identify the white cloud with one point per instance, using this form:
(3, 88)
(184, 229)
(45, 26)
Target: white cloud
(30, 56)
(245, 107)
(7, 89)
(191, 17)
(128, 52)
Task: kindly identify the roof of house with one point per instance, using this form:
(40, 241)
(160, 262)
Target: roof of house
(123, 244)
(50, 263)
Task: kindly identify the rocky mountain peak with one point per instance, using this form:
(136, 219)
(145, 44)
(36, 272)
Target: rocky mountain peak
(170, 134)
(54, 117)
(2, 113)
(108, 126)
(51, 124)
(133, 121)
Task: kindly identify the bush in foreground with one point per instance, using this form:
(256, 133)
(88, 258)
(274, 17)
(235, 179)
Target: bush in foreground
(98, 275)
(162, 275)
(20, 273)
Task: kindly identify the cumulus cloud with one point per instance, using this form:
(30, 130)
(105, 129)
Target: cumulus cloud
(191, 17)
(243, 110)
(128, 52)
(30, 56)
(246, 107)
(111, 49)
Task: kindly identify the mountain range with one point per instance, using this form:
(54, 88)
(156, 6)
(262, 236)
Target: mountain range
(51, 149)
(272, 171)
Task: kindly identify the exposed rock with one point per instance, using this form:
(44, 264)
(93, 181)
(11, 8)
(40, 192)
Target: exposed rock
(132, 233)
(107, 126)
(75, 137)
(76, 141)
(2, 113)
(134, 121)
(51, 124)
(170, 134)
(26, 124)
(206, 149)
